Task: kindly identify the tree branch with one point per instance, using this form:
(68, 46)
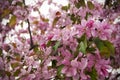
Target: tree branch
(31, 40)
(29, 30)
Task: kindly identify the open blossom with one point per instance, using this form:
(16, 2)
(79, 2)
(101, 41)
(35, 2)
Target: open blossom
(69, 71)
(101, 65)
(82, 65)
(94, 28)
(104, 30)
(66, 43)
(71, 68)
(21, 13)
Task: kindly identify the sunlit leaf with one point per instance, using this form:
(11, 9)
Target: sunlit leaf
(83, 44)
(80, 3)
(35, 22)
(57, 44)
(105, 47)
(5, 13)
(59, 68)
(12, 21)
(66, 7)
(55, 21)
(44, 19)
(90, 5)
(83, 47)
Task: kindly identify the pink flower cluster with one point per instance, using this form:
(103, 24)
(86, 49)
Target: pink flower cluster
(76, 44)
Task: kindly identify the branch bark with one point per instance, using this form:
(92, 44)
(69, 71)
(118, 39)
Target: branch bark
(29, 30)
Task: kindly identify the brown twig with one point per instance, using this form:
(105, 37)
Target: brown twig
(29, 30)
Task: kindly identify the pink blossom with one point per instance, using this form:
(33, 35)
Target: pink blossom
(20, 13)
(69, 71)
(103, 30)
(74, 63)
(102, 66)
(43, 62)
(82, 65)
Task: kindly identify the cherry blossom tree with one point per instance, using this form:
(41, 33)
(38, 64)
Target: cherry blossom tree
(76, 41)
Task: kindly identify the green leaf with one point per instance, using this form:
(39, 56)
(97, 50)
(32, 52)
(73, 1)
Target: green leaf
(66, 7)
(57, 44)
(77, 51)
(49, 43)
(17, 72)
(55, 21)
(14, 65)
(102, 48)
(75, 19)
(81, 3)
(90, 5)
(0, 52)
(78, 20)
(83, 43)
(35, 49)
(5, 13)
(105, 47)
(108, 4)
(82, 47)
(88, 14)
(91, 49)
(54, 62)
(19, 3)
(82, 38)
(110, 46)
(8, 73)
(93, 74)
(59, 68)
(46, 20)
(12, 21)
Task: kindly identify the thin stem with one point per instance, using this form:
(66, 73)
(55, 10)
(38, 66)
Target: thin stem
(29, 30)
(31, 40)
